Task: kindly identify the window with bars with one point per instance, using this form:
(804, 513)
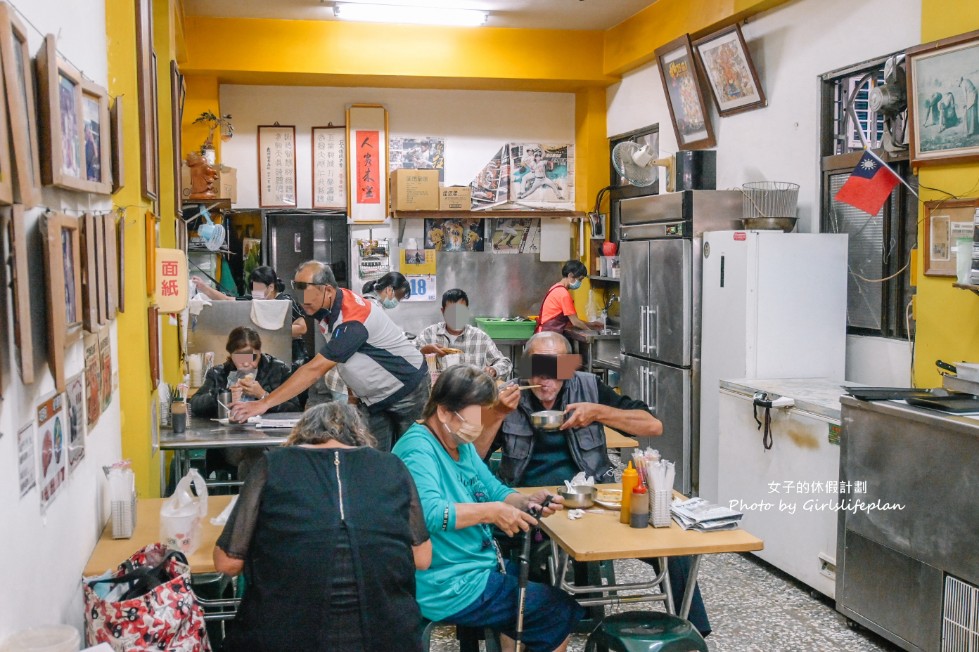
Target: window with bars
(878, 288)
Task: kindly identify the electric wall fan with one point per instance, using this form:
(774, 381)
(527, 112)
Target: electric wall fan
(638, 164)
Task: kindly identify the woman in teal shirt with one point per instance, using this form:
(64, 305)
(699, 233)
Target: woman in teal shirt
(468, 583)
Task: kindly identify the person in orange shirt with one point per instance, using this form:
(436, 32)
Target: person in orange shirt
(557, 311)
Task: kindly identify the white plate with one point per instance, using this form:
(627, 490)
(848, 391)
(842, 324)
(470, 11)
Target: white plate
(608, 504)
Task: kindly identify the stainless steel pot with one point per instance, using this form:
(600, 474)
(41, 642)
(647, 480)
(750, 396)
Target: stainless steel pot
(547, 419)
(580, 497)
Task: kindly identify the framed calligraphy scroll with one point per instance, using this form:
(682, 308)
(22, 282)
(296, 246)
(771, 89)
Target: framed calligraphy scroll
(329, 167)
(367, 166)
(276, 166)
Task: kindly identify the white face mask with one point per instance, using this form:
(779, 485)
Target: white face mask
(467, 432)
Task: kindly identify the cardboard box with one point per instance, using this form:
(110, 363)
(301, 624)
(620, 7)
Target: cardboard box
(455, 198)
(414, 190)
(526, 175)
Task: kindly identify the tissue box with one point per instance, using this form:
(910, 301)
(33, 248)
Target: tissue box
(526, 175)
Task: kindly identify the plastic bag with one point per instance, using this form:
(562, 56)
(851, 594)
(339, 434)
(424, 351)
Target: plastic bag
(183, 514)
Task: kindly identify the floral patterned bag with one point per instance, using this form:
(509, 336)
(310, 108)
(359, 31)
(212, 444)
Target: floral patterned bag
(155, 608)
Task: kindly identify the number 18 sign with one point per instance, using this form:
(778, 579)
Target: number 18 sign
(422, 288)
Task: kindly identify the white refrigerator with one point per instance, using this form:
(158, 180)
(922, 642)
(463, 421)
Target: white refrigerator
(774, 306)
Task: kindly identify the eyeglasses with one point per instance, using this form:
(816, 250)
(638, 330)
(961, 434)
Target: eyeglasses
(302, 285)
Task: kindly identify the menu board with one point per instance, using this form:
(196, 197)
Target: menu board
(276, 166)
(329, 167)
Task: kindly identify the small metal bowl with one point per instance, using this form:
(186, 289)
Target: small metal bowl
(547, 419)
(579, 497)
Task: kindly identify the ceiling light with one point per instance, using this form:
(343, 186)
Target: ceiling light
(413, 15)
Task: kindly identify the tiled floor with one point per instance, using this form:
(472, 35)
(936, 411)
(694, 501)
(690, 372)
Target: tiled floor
(753, 608)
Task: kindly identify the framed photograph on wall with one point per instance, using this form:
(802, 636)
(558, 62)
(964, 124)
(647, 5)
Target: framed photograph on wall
(19, 281)
(99, 261)
(330, 167)
(367, 163)
(95, 131)
(62, 144)
(684, 95)
(118, 159)
(276, 166)
(729, 71)
(111, 264)
(946, 221)
(90, 281)
(147, 99)
(178, 91)
(62, 259)
(18, 77)
(943, 107)
(121, 256)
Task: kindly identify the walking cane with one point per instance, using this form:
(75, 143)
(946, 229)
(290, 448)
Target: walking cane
(524, 576)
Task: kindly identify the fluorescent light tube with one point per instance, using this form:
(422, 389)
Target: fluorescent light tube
(412, 15)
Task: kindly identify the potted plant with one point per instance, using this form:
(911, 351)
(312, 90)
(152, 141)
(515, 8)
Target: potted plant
(213, 122)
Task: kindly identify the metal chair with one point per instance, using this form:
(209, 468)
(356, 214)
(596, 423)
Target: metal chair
(646, 631)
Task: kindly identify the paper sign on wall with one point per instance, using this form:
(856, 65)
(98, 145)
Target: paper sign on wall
(417, 262)
(172, 285)
(422, 288)
(51, 446)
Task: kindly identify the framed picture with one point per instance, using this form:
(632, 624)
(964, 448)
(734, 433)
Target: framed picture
(276, 166)
(121, 271)
(18, 76)
(62, 145)
(729, 72)
(367, 163)
(99, 261)
(95, 131)
(945, 222)
(943, 109)
(153, 324)
(151, 243)
(111, 265)
(684, 96)
(178, 91)
(329, 167)
(146, 94)
(62, 257)
(19, 281)
(118, 145)
(90, 281)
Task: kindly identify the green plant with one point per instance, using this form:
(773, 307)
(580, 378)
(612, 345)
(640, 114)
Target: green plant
(213, 122)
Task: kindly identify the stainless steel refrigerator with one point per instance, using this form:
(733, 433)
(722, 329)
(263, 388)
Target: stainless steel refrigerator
(660, 261)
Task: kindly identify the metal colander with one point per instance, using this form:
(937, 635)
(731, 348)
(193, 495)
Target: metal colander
(769, 199)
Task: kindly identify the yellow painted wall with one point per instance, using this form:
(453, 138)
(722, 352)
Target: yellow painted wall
(202, 95)
(947, 317)
(135, 392)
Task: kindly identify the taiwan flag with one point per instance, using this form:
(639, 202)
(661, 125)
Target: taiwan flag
(869, 185)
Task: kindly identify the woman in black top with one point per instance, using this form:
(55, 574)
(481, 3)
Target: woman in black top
(328, 532)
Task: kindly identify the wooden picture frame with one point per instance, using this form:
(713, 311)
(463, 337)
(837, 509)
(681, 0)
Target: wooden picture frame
(100, 253)
(153, 328)
(18, 76)
(121, 271)
(178, 92)
(62, 140)
(329, 167)
(146, 94)
(62, 257)
(685, 95)
(118, 146)
(276, 166)
(96, 129)
(941, 79)
(945, 221)
(729, 71)
(111, 265)
(18, 277)
(90, 282)
(151, 243)
(367, 176)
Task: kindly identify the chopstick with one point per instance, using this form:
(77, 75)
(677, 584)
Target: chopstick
(523, 387)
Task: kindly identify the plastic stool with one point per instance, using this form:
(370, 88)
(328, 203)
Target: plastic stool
(646, 631)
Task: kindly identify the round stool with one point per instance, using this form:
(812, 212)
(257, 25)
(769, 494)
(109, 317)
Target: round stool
(646, 631)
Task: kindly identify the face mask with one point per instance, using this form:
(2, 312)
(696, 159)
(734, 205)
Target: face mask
(389, 304)
(467, 432)
(575, 285)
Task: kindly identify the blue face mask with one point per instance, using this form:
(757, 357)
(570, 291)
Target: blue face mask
(389, 304)
(575, 285)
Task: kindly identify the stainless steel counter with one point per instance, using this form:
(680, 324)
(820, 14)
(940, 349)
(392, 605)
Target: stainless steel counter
(907, 526)
(599, 349)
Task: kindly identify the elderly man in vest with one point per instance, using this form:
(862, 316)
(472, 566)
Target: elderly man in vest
(533, 457)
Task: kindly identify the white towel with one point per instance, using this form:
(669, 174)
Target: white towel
(270, 315)
(197, 303)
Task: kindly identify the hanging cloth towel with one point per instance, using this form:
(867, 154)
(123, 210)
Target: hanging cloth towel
(197, 303)
(271, 314)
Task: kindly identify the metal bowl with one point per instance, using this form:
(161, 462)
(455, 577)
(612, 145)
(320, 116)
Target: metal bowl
(579, 497)
(786, 224)
(547, 419)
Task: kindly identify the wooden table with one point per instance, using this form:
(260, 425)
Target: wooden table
(109, 552)
(615, 439)
(599, 536)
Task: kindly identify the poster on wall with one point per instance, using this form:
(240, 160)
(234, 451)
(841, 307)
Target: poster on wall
(76, 420)
(455, 234)
(51, 448)
(93, 382)
(516, 236)
(367, 169)
(26, 464)
(418, 154)
(329, 167)
(105, 357)
(276, 166)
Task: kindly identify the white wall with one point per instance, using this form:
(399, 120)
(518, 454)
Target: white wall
(791, 46)
(43, 554)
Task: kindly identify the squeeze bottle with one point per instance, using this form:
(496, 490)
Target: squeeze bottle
(630, 478)
(639, 507)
